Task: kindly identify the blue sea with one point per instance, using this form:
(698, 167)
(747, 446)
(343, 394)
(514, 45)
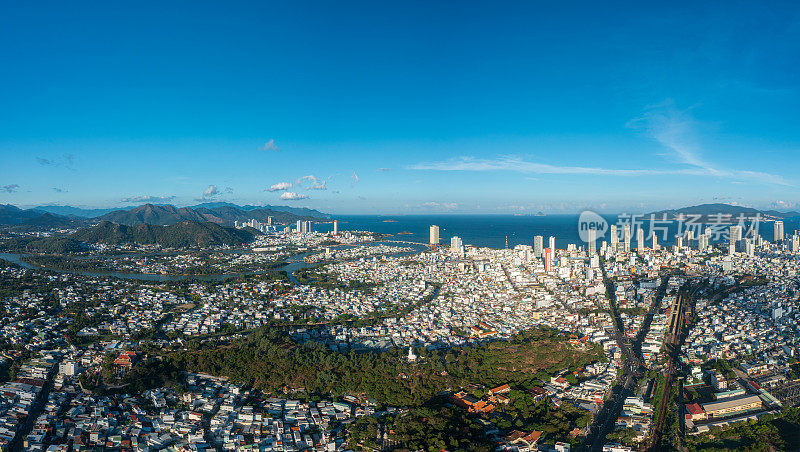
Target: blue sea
(493, 230)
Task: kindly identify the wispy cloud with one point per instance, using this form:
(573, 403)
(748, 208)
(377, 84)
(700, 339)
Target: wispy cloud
(292, 196)
(11, 188)
(211, 191)
(65, 161)
(312, 182)
(513, 163)
(677, 131)
(270, 146)
(280, 186)
(674, 129)
(59, 190)
(440, 205)
(354, 179)
(383, 170)
(146, 199)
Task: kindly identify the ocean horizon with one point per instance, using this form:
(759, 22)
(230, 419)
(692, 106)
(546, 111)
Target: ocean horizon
(492, 230)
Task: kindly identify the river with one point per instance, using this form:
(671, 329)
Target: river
(294, 263)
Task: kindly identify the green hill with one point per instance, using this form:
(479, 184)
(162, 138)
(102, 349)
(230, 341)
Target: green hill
(179, 235)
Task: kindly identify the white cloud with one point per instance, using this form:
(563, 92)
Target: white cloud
(354, 178)
(512, 163)
(440, 205)
(211, 191)
(147, 198)
(672, 128)
(280, 186)
(270, 146)
(314, 183)
(323, 185)
(292, 196)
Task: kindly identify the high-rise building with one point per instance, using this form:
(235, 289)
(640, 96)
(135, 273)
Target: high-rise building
(655, 241)
(434, 235)
(679, 242)
(640, 240)
(702, 242)
(626, 232)
(735, 234)
(552, 243)
(614, 237)
(688, 238)
(455, 244)
(796, 242)
(592, 243)
(548, 259)
(299, 226)
(777, 229)
(538, 246)
(335, 227)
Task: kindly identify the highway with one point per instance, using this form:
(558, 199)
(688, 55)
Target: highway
(633, 370)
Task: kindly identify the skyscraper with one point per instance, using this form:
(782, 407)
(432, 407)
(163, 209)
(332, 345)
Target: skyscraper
(548, 259)
(627, 237)
(538, 245)
(735, 234)
(434, 234)
(335, 227)
(299, 226)
(614, 237)
(552, 243)
(640, 240)
(655, 241)
(778, 231)
(455, 244)
(592, 233)
(702, 242)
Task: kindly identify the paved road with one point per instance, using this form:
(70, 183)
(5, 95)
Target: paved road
(633, 369)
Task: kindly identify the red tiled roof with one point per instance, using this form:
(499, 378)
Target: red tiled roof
(694, 408)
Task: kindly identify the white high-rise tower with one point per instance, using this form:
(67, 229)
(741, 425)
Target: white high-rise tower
(640, 240)
(434, 235)
(626, 231)
(778, 231)
(538, 246)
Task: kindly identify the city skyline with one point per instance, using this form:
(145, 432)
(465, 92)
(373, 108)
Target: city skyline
(402, 109)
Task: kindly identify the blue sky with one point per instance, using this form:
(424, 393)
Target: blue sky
(401, 107)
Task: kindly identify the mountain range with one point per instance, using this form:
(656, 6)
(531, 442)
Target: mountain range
(70, 211)
(710, 212)
(177, 235)
(185, 234)
(219, 213)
